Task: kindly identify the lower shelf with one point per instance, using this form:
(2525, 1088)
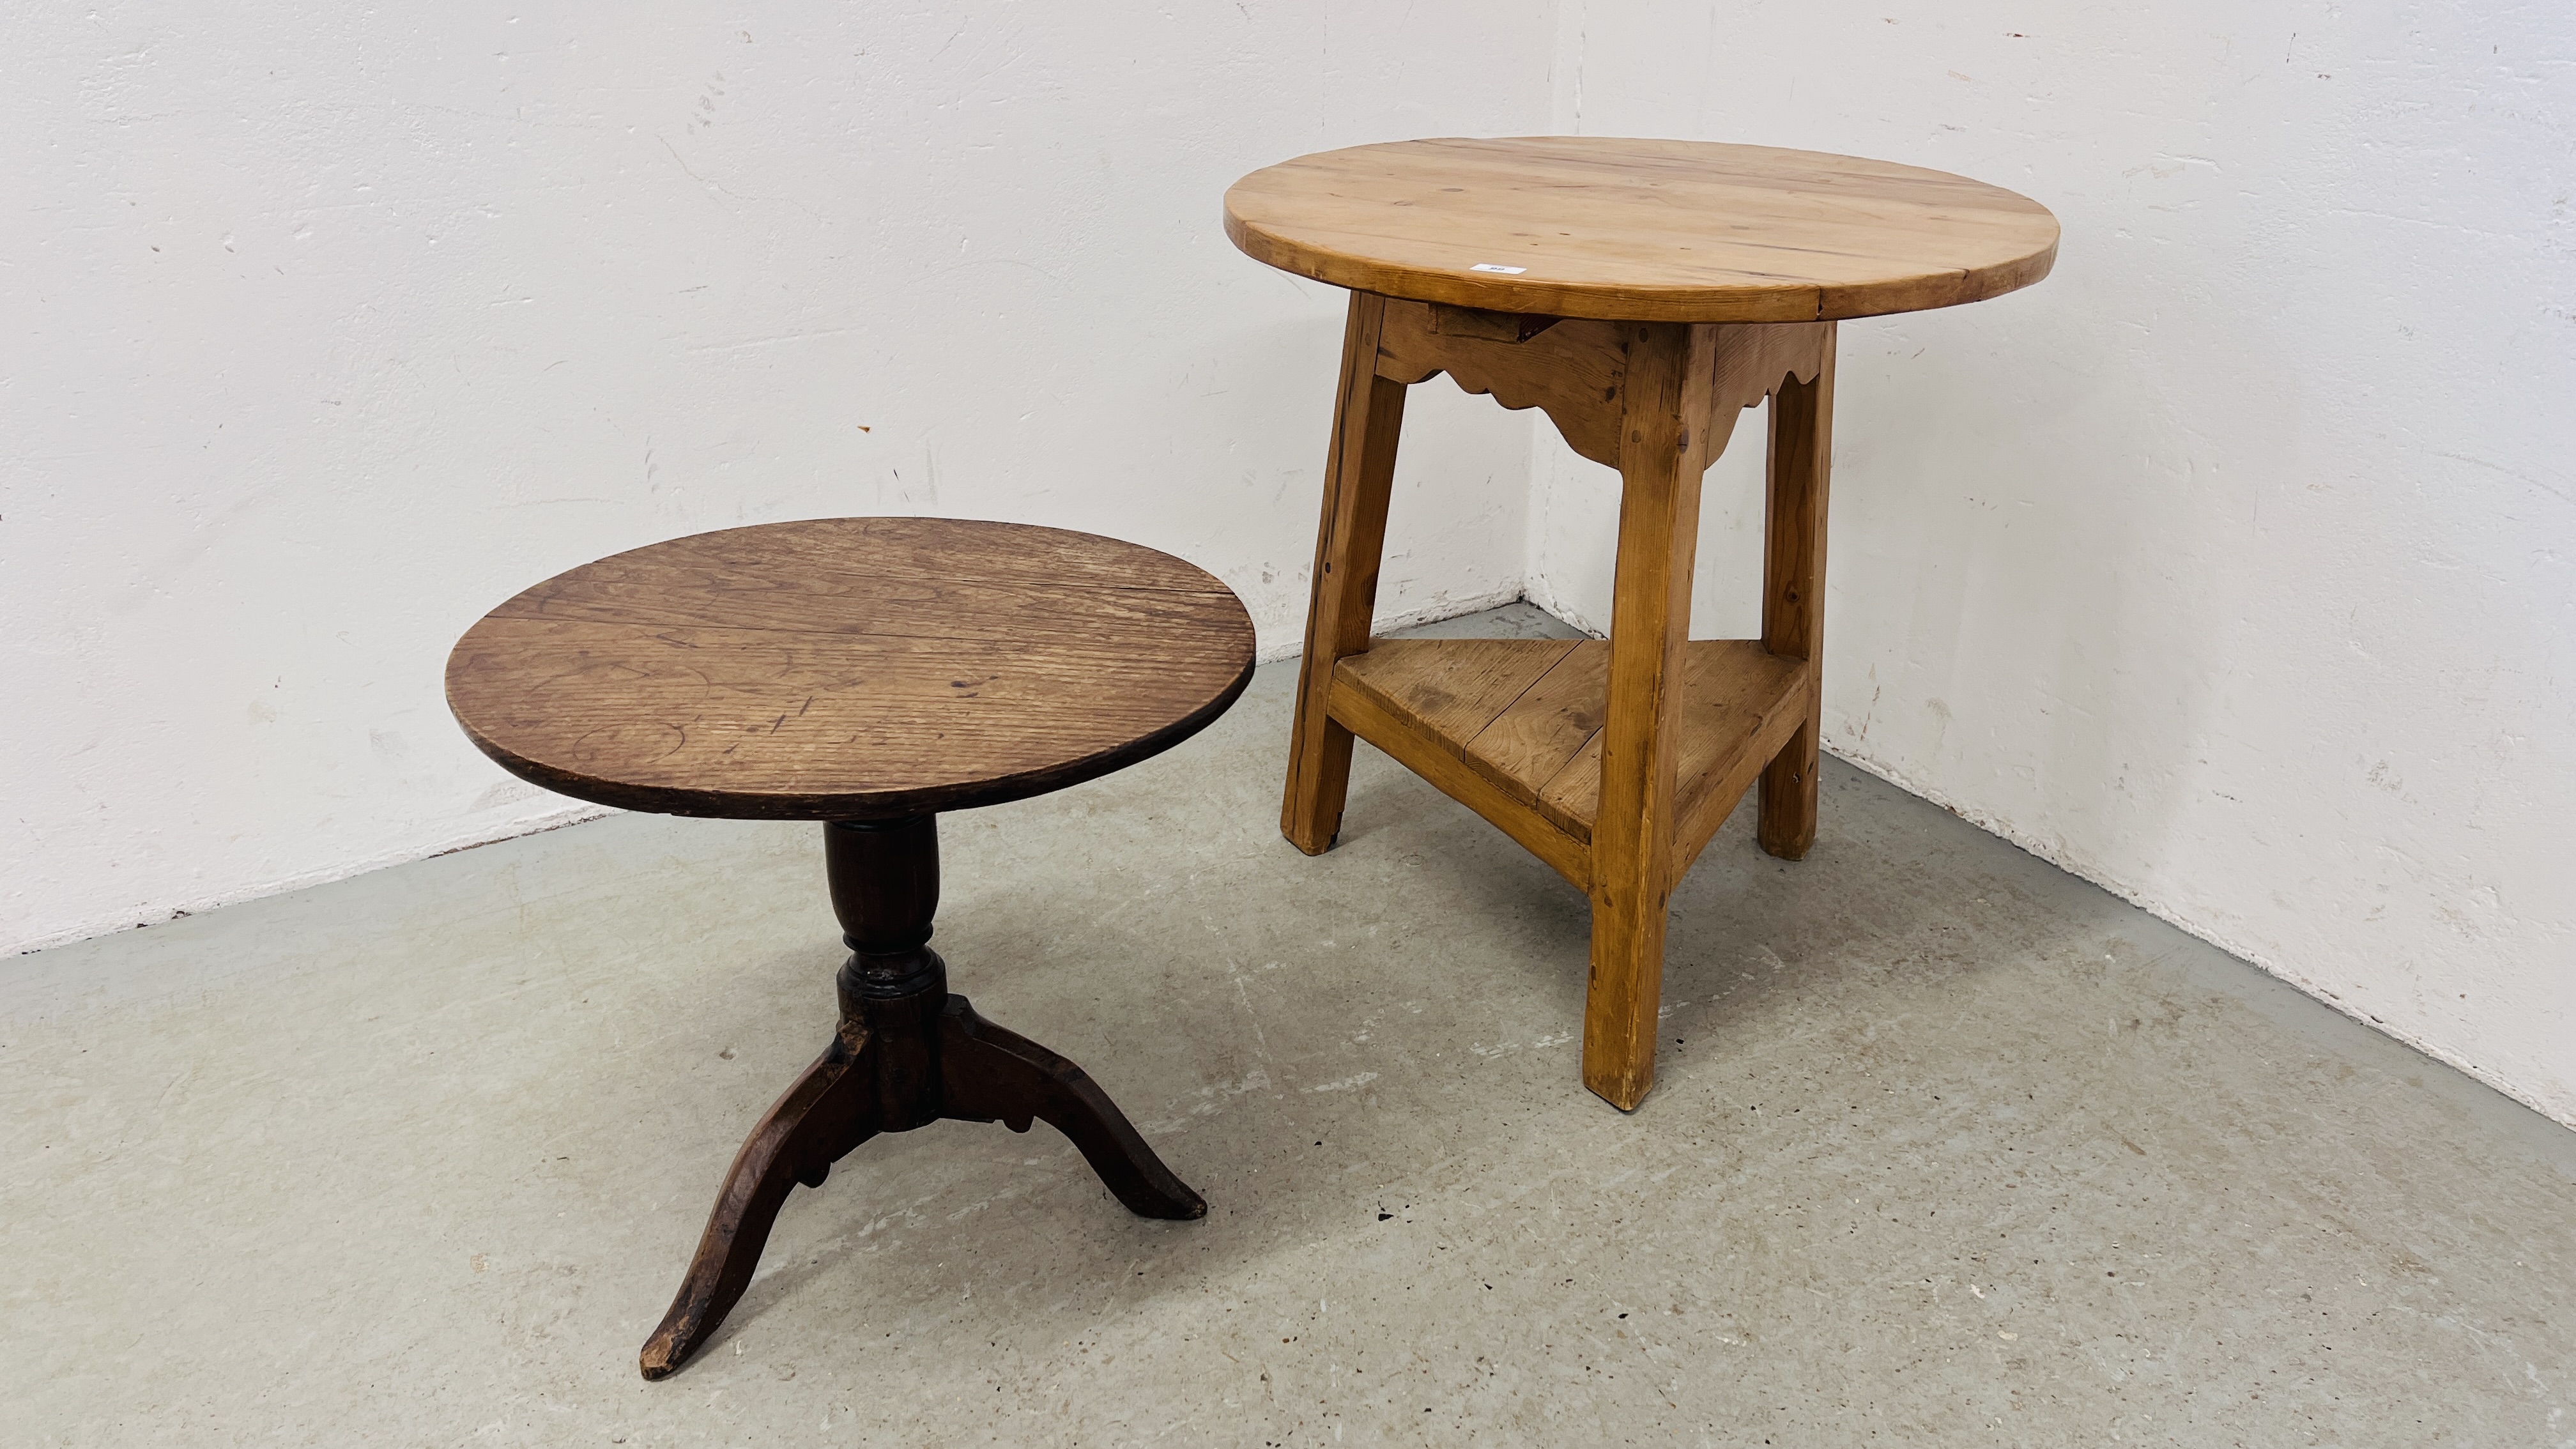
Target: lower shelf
(1512, 729)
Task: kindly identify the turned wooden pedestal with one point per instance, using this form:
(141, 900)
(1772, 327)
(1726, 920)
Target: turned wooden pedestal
(908, 1053)
(868, 673)
(1643, 294)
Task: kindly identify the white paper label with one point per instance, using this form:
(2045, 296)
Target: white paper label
(1491, 267)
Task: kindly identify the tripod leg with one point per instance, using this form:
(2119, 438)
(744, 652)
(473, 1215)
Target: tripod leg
(831, 1109)
(992, 1075)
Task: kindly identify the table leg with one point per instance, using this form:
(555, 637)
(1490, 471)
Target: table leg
(907, 1054)
(1359, 473)
(831, 1109)
(1664, 433)
(1793, 591)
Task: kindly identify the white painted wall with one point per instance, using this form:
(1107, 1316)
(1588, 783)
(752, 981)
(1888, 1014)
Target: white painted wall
(2231, 567)
(323, 329)
(2234, 566)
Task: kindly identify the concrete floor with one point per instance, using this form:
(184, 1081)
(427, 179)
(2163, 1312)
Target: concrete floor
(1949, 1148)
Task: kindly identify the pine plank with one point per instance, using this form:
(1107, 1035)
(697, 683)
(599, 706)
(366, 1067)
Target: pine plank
(1350, 541)
(1412, 745)
(1545, 727)
(1793, 593)
(1642, 230)
(1454, 687)
(1525, 717)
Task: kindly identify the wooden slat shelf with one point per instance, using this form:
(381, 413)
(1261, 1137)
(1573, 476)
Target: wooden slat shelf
(1511, 728)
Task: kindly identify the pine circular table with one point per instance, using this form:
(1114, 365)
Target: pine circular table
(1642, 293)
(867, 673)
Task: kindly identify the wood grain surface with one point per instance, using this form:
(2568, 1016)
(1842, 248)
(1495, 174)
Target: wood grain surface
(1525, 716)
(1359, 476)
(849, 668)
(1644, 230)
(1793, 594)
(1665, 445)
(1573, 370)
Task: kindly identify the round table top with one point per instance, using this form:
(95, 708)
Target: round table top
(1648, 231)
(850, 668)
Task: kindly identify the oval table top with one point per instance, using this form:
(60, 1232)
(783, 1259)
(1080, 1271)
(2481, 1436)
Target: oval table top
(850, 668)
(1634, 230)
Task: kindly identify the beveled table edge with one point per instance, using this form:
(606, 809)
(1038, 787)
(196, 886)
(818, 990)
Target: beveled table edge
(1457, 287)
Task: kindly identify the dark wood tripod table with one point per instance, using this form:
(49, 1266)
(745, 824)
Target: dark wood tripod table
(867, 673)
(1642, 293)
